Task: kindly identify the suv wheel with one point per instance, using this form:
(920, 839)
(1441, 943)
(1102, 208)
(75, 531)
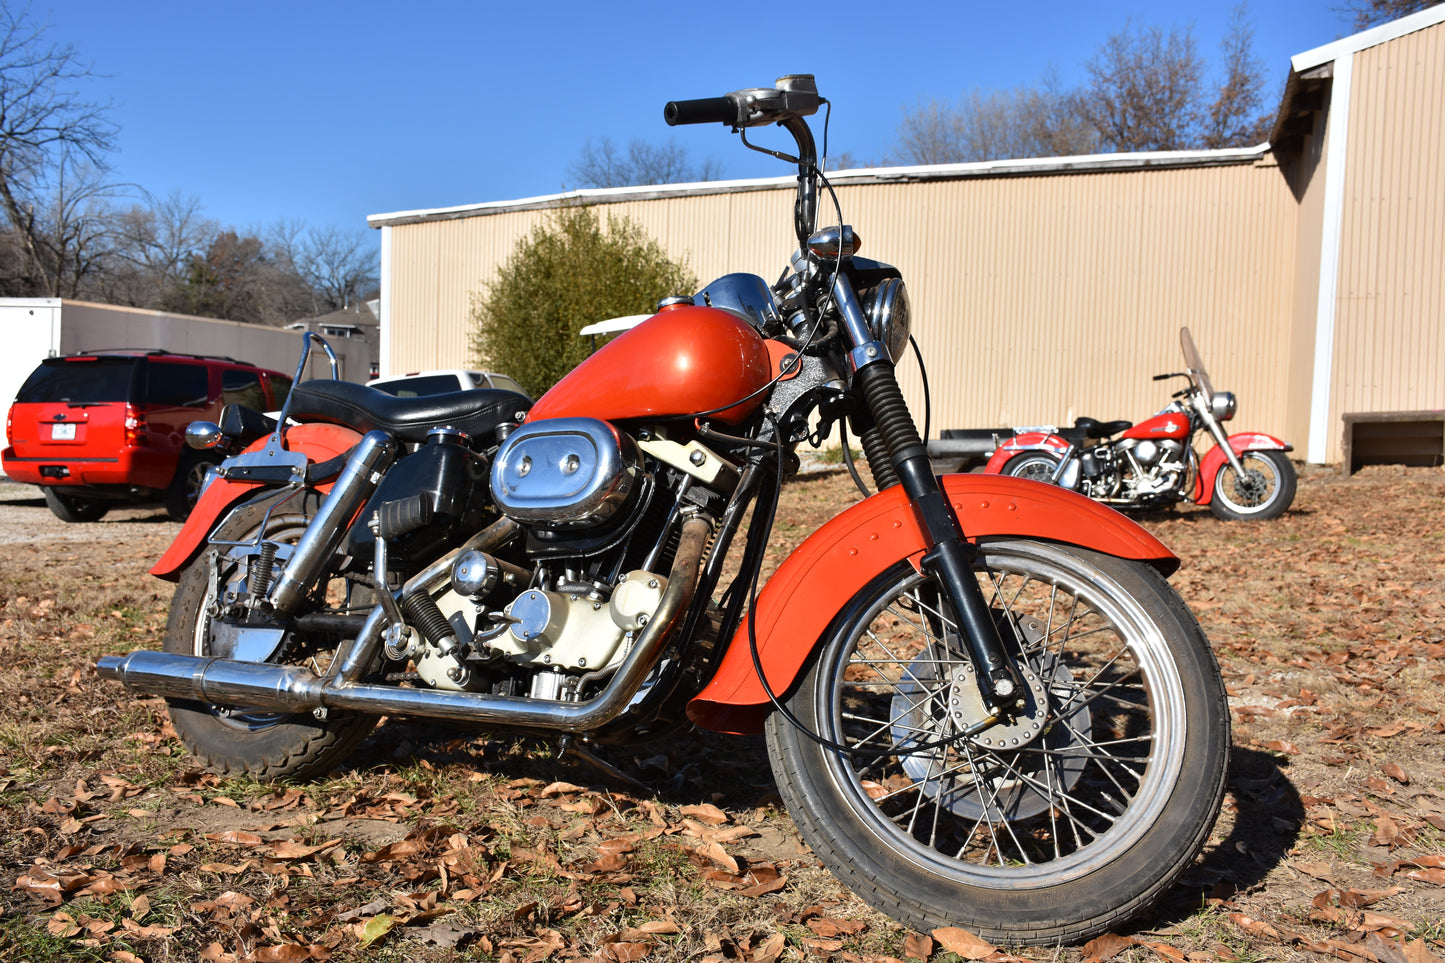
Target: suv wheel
(68, 508)
(185, 488)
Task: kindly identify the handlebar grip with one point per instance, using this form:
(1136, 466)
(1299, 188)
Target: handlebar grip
(704, 110)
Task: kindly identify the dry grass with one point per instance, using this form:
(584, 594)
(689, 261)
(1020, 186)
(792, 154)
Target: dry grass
(442, 843)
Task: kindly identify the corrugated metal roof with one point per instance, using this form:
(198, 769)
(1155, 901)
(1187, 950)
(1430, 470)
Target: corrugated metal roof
(1019, 167)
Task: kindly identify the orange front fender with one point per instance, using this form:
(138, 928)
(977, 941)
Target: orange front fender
(319, 442)
(835, 562)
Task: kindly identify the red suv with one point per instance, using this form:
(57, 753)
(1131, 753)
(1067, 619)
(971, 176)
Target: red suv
(93, 430)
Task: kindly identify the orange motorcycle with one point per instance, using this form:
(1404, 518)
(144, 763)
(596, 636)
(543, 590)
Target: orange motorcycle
(984, 704)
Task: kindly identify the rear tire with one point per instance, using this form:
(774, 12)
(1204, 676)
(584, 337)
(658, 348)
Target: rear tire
(1034, 465)
(1266, 490)
(69, 508)
(229, 739)
(185, 488)
(1053, 827)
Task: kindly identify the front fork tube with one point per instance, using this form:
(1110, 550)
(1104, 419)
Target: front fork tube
(1216, 430)
(950, 557)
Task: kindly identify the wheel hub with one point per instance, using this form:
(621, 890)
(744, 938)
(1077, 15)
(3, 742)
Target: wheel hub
(966, 708)
(991, 774)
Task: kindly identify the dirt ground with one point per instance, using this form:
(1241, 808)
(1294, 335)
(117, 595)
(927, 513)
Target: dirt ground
(438, 842)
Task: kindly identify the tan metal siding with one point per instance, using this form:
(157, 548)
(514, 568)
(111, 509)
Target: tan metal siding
(1389, 346)
(1036, 299)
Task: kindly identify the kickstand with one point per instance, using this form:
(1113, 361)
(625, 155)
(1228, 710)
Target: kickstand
(570, 746)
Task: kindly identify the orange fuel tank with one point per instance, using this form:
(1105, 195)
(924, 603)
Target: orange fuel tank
(685, 360)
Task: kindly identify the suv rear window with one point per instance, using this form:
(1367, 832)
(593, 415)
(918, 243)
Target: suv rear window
(78, 381)
(177, 385)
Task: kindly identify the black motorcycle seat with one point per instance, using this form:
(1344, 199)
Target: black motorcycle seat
(477, 412)
(1101, 429)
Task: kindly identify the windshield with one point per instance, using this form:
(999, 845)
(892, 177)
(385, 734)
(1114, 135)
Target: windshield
(1195, 364)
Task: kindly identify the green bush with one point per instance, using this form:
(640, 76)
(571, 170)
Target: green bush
(569, 272)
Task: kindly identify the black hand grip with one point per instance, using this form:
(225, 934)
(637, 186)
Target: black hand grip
(704, 110)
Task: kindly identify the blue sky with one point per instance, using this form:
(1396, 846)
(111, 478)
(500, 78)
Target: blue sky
(325, 111)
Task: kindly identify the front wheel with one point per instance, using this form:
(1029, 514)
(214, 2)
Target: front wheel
(1053, 825)
(1264, 491)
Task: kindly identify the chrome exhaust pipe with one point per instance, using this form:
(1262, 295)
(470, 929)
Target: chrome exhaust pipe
(289, 688)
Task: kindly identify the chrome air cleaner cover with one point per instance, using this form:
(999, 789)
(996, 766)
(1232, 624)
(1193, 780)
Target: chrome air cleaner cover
(564, 472)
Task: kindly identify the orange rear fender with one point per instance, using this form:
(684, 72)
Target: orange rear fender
(318, 441)
(835, 562)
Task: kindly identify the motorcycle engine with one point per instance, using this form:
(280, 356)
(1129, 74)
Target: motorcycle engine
(1157, 466)
(599, 511)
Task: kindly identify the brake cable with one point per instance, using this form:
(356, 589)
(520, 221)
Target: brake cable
(777, 703)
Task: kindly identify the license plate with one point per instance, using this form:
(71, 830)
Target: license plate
(62, 432)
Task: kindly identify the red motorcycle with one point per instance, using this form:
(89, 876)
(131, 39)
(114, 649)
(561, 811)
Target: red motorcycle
(1153, 464)
(983, 703)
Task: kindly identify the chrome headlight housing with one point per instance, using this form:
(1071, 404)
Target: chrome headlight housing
(1222, 405)
(889, 315)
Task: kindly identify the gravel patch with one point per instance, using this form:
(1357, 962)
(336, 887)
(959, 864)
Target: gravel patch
(24, 518)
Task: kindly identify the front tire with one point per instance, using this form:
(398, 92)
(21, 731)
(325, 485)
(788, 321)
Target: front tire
(1034, 465)
(1265, 490)
(233, 739)
(1055, 826)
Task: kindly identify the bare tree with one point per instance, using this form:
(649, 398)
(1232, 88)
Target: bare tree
(338, 264)
(154, 249)
(53, 146)
(1371, 13)
(1028, 121)
(1236, 118)
(1144, 90)
(604, 165)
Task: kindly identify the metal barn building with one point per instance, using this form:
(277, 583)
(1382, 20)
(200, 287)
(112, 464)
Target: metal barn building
(1309, 269)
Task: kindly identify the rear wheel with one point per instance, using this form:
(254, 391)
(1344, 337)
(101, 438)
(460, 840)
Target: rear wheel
(1053, 825)
(70, 508)
(235, 739)
(1034, 465)
(185, 488)
(1263, 491)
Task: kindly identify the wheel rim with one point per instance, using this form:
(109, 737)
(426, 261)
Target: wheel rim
(235, 574)
(1037, 468)
(1042, 806)
(1253, 491)
(195, 480)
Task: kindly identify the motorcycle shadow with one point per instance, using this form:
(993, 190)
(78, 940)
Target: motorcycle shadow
(1262, 818)
(685, 768)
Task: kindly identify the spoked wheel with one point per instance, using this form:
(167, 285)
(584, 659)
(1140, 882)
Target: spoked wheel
(1035, 466)
(1263, 491)
(1054, 824)
(234, 739)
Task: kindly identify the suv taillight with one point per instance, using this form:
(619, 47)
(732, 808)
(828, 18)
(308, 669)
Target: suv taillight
(135, 427)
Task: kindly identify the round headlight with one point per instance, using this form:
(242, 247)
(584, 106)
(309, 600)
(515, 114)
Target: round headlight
(889, 315)
(1222, 406)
